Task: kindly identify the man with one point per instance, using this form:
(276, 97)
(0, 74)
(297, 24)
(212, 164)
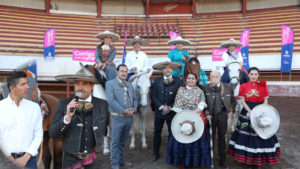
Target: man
(122, 105)
(21, 129)
(136, 60)
(220, 101)
(163, 96)
(80, 121)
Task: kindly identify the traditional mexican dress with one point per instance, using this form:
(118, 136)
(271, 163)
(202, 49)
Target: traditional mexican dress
(175, 55)
(106, 54)
(245, 145)
(198, 152)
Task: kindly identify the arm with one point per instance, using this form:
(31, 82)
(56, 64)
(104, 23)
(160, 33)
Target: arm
(112, 55)
(145, 65)
(109, 91)
(170, 55)
(178, 106)
(245, 105)
(97, 54)
(127, 63)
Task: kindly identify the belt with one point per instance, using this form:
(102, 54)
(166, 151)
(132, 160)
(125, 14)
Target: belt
(82, 156)
(17, 155)
(118, 115)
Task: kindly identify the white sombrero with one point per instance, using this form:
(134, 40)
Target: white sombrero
(231, 42)
(265, 120)
(137, 39)
(187, 126)
(161, 65)
(179, 40)
(83, 74)
(104, 34)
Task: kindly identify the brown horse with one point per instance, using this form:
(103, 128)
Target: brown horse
(51, 149)
(192, 65)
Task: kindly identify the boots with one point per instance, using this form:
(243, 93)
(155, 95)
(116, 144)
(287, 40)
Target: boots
(106, 150)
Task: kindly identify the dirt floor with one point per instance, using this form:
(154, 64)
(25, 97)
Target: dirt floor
(288, 136)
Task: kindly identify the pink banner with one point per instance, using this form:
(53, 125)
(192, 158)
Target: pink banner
(173, 36)
(287, 35)
(84, 55)
(49, 38)
(245, 38)
(217, 54)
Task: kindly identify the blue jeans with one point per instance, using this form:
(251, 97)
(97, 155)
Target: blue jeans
(120, 127)
(31, 163)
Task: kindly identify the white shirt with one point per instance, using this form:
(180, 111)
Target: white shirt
(138, 60)
(21, 127)
(227, 59)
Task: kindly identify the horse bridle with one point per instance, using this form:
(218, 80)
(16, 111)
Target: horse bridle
(234, 77)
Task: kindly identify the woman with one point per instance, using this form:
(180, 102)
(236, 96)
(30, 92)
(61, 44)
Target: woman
(196, 153)
(178, 54)
(245, 145)
(106, 53)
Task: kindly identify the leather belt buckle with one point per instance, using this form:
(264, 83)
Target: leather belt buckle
(82, 156)
(17, 155)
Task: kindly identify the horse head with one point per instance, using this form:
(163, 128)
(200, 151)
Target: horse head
(192, 65)
(98, 73)
(234, 71)
(142, 87)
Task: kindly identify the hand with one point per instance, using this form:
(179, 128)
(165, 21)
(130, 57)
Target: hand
(22, 161)
(69, 114)
(208, 117)
(248, 114)
(148, 71)
(131, 111)
(183, 58)
(103, 66)
(98, 64)
(198, 111)
(166, 110)
(133, 69)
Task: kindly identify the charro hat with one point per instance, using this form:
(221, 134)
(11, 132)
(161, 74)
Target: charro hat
(161, 65)
(231, 42)
(83, 74)
(265, 120)
(187, 126)
(179, 40)
(137, 39)
(104, 34)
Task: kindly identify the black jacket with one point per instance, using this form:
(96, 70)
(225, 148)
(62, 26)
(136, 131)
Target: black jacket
(72, 132)
(162, 94)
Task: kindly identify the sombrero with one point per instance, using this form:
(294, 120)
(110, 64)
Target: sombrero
(137, 39)
(179, 40)
(187, 126)
(83, 74)
(231, 42)
(161, 65)
(265, 120)
(104, 34)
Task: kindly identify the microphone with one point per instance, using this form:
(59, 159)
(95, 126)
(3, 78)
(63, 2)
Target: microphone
(77, 96)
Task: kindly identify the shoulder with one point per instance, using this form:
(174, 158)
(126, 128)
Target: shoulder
(262, 83)
(158, 79)
(31, 103)
(98, 100)
(111, 82)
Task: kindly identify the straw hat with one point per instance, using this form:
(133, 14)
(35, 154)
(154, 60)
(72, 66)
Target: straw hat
(161, 65)
(187, 126)
(104, 34)
(231, 42)
(179, 40)
(137, 39)
(265, 120)
(82, 74)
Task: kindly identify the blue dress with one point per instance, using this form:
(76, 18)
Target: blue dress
(175, 55)
(203, 78)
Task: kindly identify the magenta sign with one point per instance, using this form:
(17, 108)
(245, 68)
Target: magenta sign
(84, 55)
(49, 38)
(217, 54)
(173, 36)
(287, 35)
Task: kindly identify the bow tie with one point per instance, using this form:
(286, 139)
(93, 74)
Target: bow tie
(84, 106)
(124, 84)
(168, 81)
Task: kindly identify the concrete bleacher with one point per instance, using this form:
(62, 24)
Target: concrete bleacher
(21, 32)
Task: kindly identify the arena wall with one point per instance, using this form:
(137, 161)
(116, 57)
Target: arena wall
(210, 6)
(88, 6)
(261, 4)
(34, 4)
(123, 7)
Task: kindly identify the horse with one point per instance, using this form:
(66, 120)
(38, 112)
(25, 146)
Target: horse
(141, 84)
(234, 71)
(51, 150)
(192, 65)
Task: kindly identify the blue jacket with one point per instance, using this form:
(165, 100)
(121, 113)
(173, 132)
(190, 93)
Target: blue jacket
(175, 55)
(115, 96)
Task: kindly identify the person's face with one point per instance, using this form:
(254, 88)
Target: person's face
(122, 73)
(231, 48)
(84, 87)
(21, 89)
(107, 40)
(253, 75)
(191, 80)
(167, 71)
(215, 78)
(137, 46)
(179, 45)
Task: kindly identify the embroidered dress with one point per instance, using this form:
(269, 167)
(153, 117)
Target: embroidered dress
(245, 145)
(175, 55)
(198, 152)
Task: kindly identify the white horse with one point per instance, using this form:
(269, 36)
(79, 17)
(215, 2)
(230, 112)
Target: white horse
(234, 70)
(141, 84)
